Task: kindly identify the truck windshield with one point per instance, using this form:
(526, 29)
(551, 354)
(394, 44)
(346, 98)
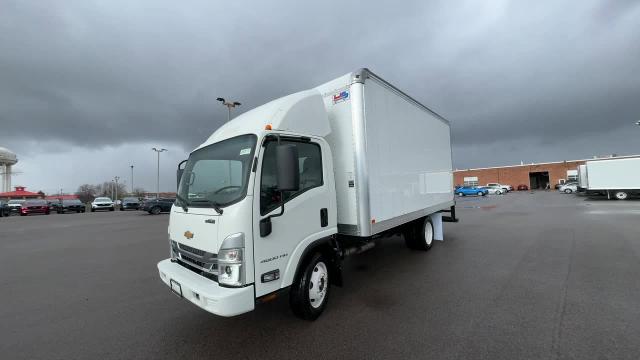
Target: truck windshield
(217, 175)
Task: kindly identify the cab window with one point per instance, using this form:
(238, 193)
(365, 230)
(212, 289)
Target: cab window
(310, 164)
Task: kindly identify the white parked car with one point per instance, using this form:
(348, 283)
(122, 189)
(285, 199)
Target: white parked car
(505, 188)
(569, 187)
(495, 189)
(102, 203)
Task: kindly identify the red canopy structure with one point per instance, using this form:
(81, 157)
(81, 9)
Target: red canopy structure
(20, 193)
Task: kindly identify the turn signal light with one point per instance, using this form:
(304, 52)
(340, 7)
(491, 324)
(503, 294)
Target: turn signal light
(268, 127)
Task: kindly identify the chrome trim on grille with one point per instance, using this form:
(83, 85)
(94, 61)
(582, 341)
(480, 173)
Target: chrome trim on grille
(199, 259)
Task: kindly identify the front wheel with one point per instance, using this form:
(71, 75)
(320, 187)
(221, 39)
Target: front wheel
(155, 210)
(498, 192)
(93, 210)
(568, 191)
(621, 195)
(480, 193)
(460, 194)
(310, 290)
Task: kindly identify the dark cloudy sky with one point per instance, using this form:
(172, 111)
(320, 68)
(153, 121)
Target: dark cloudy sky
(88, 87)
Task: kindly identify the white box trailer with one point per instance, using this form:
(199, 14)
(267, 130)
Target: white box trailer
(277, 197)
(617, 178)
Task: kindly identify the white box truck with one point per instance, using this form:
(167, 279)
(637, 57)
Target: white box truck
(617, 178)
(273, 200)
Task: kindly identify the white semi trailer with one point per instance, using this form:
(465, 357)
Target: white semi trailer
(616, 178)
(274, 200)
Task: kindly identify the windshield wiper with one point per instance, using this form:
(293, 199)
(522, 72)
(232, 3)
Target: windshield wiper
(183, 203)
(213, 204)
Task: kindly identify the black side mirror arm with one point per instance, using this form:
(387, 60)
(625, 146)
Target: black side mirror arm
(265, 224)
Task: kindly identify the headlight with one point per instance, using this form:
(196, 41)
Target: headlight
(231, 261)
(230, 267)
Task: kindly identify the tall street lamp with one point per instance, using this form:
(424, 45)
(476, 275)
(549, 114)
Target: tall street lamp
(158, 178)
(131, 179)
(116, 188)
(229, 105)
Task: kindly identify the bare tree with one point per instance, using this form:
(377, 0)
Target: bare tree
(87, 192)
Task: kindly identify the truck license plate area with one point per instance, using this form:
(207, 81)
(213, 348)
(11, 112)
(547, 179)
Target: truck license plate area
(175, 287)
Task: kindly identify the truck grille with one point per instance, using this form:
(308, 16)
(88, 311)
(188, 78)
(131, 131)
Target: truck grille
(199, 261)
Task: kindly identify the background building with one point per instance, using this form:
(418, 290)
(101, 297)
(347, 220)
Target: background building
(7, 160)
(535, 176)
(20, 193)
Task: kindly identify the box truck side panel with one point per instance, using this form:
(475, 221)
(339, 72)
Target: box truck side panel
(408, 154)
(337, 101)
(612, 174)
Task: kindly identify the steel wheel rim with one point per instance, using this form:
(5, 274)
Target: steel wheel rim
(318, 285)
(428, 233)
(621, 195)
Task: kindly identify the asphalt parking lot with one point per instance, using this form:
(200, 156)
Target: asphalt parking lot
(522, 276)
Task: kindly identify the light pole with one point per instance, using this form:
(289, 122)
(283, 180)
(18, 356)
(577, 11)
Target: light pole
(116, 179)
(131, 179)
(229, 105)
(158, 177)
(112, 189)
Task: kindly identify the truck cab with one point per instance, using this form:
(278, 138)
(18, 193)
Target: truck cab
(239, 227)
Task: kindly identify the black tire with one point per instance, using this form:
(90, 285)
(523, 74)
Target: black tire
(460, 194)
(111, 209)
(300, 300)
(155, 210)
(568, 191)
(93, 210)
(419, 235)
(480, 193)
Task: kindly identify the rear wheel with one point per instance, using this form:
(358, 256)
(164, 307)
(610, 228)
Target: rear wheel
(621, 195)
(111, 209)
(498, 192)
(93, 210)
(460, 194)
(155, 210)
(310, 290)
(419, 236)
(568, 191)
(480, 193)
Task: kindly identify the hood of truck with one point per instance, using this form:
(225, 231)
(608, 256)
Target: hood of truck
(195, 229)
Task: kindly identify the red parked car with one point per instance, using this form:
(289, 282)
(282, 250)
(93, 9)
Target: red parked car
(523, 187)
(34, 207)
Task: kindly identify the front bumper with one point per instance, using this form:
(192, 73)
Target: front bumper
(207, 294)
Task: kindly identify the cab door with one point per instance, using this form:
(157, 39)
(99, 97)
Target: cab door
(307, 211)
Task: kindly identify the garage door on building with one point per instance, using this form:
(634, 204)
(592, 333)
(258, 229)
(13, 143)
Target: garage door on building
(470, 181)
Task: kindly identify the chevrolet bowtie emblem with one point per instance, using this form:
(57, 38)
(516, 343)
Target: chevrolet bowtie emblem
(188, 234)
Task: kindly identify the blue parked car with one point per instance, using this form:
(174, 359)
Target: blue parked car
(471, 190)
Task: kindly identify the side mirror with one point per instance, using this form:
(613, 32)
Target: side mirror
(179, 173)
(288, 168)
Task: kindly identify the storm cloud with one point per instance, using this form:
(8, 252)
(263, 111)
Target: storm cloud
(519, 81)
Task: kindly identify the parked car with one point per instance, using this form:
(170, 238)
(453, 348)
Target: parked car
(5, 210)
(523, 187)
(156, 206)
(102, 203)
(495, 189)
(15, 205)
(471, 190)
(71, 205)
(35, 206)
(130, 203)
(53, 204)
(505, 188)
(569, 187)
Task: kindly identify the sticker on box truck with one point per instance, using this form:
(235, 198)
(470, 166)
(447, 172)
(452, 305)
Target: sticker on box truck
(341, 96)
(245, 151)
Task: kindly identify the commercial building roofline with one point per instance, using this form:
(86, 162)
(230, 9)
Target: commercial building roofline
(548, 163)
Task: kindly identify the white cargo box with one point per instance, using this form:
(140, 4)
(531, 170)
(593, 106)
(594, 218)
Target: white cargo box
(613, 174)
(392, 155)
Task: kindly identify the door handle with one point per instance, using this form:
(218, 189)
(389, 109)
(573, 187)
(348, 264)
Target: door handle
(324, 217)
